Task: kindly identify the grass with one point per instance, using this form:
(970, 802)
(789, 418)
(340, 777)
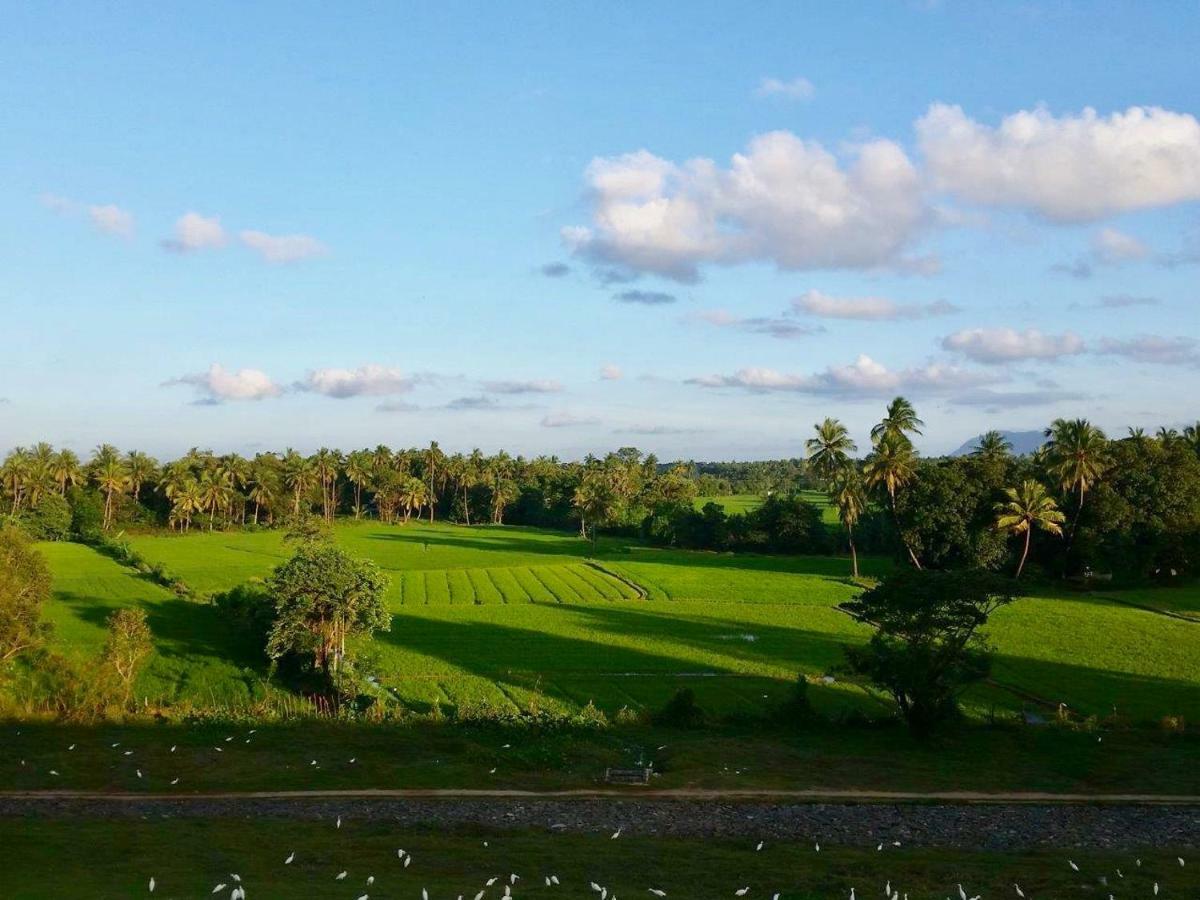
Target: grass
(744, 503)
(188, 857)
(427, 755)
(515, 617)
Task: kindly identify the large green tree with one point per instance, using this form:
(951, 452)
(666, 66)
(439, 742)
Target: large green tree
(24, 589)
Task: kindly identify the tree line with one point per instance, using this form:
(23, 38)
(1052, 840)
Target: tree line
(1082, 503)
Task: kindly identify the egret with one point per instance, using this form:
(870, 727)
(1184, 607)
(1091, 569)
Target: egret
(152, 885)
(220, 887)
(656, 892)
(1020, 893)
(341, 876)
(742, 892)
(759, 847)
(291, 856)
(1074, 867)
(616, 834)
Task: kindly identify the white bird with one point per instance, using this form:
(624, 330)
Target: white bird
(152, 884)
(961, 893)
(554, 879)
(1156, 889)
(174, 781)
(341, 876)
(370, 880)
(496, 878)
(72, 747)
(887, 890)
(52, 772)
(291, 856)
(339, 822)
(1074, 867)
(880, 847)
(817, 847)
(139, 773)
(353, 759)
(595, 887)
(237, 878)
(363, 897)
(759, 847)
(479, 896)
(424, 894)
(407, 860)
(514, 878)
(656, 892)
(742, 892)
(616, 834)
(220, 887)
(1180, 858)
(1020, 893)
(173, 746)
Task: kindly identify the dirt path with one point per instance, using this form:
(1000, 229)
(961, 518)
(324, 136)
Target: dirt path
(877, 820)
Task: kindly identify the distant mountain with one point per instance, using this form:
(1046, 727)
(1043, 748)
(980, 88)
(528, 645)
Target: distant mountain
(1023, 442)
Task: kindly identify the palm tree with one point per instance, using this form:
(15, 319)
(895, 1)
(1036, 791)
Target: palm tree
(111, 476)
(1191, 436)
(141, 469)
(326, 463)
(847, 494)
(216, 486)
(1138, 436)
(66, 470)
(1077, 456)
(595, 498)
(1028, 507)
(413, 495)
(992, 445)
(298, 477)
(829, 451)
(187, 501)
(358, 473)
(433, 457)
(15, 473)
(890, 466)
(1166, 436)
(901, 419)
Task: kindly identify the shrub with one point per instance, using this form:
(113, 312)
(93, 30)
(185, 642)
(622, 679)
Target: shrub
(681, 711)
(50, 520)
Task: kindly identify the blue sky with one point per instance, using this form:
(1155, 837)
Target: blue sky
(565, 228)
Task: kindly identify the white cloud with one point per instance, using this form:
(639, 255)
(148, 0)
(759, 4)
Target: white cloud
(369, 380)
(111, 219)
(863, 377)
(533, 386)
(196, 232)
(283, 248)
(564, 419)
(1074, 168)
(996, 401)
(1114, 247)
(1001, 345)
(1150, 348)
(796, 89)
(816, 303)
(785, 200)
(781, 327)
(219, 384)
(611, 373)
(646, 298)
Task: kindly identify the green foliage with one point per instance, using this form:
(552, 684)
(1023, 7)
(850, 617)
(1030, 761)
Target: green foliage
(322, 596)
(24, 589)
(681, 711)
(127, 645)
(927, 648)
(87, 513)
(49, 520)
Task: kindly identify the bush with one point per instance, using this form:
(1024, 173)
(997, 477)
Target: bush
(87, 513)
(50, 520)
(681, 711)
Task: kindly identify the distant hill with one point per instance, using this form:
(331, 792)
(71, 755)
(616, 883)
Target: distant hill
(1023, 442)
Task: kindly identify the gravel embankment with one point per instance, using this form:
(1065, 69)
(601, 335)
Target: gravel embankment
(999, 826)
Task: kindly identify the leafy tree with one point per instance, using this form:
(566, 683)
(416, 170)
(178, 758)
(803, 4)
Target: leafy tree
(127, 646)
(1028, 507)
(323, 595)
(926, 648)
(48, 520)
(829, 451)
(596, 500)
(890, 466)
(1077, 455)
(24, 588)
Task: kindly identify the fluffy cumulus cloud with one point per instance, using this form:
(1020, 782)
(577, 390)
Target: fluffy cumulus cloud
(793, 89)
(531, 386)
(1073, 168)
(1149, 348)
(864, 377)
(282, 248)
(816, 303)
(219, 384)
(368, 381)
(196, 232)
(785, 200)
(1003, 345)
(111, 219)
(611, 373)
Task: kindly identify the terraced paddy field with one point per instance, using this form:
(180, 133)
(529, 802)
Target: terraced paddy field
(519, 617)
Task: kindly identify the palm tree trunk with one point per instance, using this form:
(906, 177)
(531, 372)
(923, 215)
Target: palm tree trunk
(896, 519)
(853, 552)
(1025, 552)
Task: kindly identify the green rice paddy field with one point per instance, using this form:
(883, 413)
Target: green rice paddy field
(512, 615)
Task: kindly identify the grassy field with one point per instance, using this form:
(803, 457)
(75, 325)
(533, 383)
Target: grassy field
(189, 857)
(514, 616)
(744, 503)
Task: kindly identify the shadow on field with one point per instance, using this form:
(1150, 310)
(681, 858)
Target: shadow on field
(523, 658)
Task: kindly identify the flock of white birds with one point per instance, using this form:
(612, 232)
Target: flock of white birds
(503, 887)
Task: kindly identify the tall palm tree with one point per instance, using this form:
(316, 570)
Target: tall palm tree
(595, 498)
(848, 497)
(901, 419)
(1028, 507)
(1191, 436)
(1166, 436)
(326, 464)
(67, 471)
(15, 473)
(215, 487)
(1138, 436)
(1077, 456)
(111, 476)
(358, 473)
(890, 466)
(829, 451)
(992, 445)
(141, 469)
(412, 495)
(434, 457)
(298, 477)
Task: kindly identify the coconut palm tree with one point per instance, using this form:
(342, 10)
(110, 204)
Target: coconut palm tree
(14, 474)
(901, 419)
(1077, 456)
(67, 471)
(298, 477)
(412, 495)
(111, 477)
(1028, 507)
(216, 486)
(326, 464)
(829, 451)
(1191, 436)
(848, 497)
(358, 473)
(141, 469)
(596, 499)
(992, 445)
(890, 466)
(434, 457)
